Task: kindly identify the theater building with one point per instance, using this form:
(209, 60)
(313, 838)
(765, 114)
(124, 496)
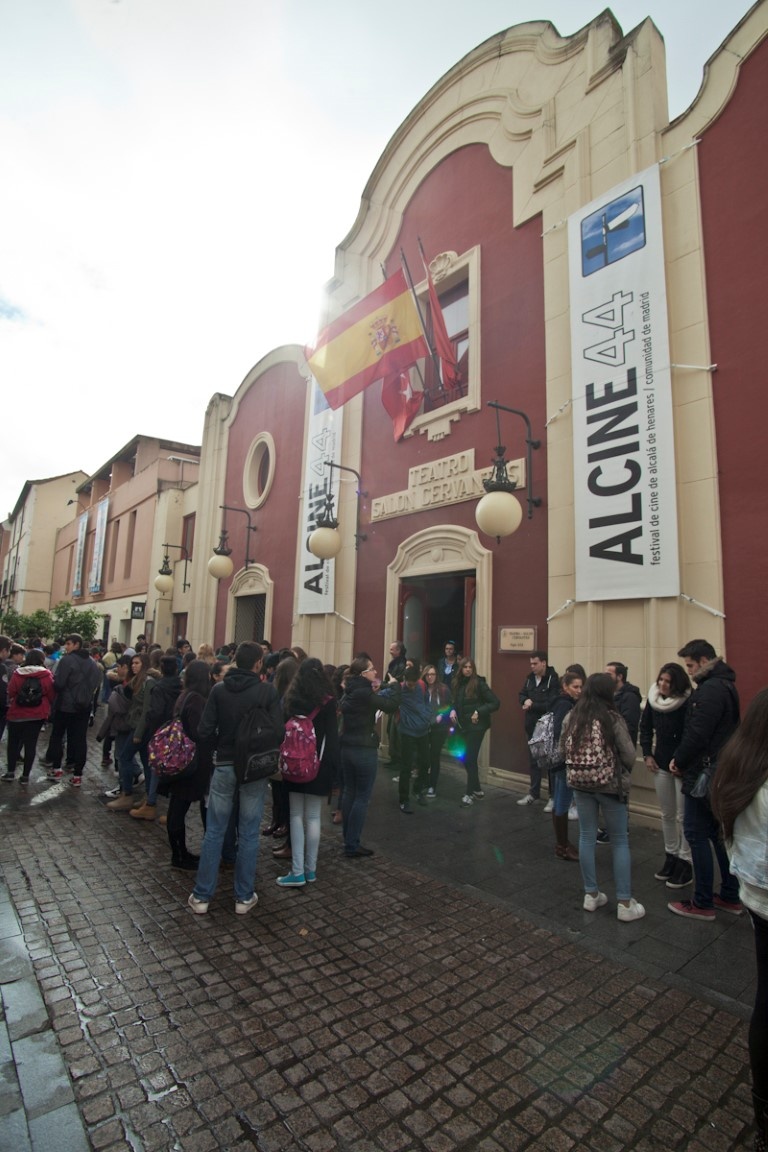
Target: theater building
(602, 272)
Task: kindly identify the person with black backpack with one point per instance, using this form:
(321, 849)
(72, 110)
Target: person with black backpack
(30, 697)
(240, 700)
(76, 679)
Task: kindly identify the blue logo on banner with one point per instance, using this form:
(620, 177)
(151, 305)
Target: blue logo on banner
(613, 232)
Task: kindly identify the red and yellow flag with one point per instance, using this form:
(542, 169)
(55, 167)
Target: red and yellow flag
(378, 336)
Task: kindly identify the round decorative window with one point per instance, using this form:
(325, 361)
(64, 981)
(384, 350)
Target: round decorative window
(259, 470)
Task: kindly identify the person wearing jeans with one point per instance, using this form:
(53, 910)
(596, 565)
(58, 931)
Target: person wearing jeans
(240, 696)
(615, 815)
(599, 755)
(224, 788)
(310, 695)
(711, 719)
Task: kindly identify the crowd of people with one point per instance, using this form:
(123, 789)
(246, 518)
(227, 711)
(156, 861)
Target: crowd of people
(710, 772)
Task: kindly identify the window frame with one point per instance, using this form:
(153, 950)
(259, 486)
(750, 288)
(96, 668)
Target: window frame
(449, 269)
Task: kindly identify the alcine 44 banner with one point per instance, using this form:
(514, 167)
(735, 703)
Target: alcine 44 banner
(623, 447)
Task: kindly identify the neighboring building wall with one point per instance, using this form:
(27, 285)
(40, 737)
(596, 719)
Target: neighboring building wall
(40, 512)
(733, 166)
(145, 510)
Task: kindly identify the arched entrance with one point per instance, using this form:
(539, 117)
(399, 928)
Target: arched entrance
(441, 579)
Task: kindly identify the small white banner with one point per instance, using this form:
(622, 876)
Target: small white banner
(317, 577)
(99, 537)
(625, 501)
(77, 580)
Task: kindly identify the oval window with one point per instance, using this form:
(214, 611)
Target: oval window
(259, 470)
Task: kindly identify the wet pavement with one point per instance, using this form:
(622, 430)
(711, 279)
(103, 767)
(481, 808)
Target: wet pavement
(447, 994)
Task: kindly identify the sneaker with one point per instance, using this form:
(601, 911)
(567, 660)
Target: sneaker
(631, 911)
(8, 777)
(243, 907)
(55, 774)
(592, 903)
(602, 837)
(431, 794)
(527, 800)
(113, 793)
(689, 909)
(309, 876)
(682, 875)
(467, 801)
(46, 763)
(422, 799)
(121, 803)
(550, 805)
(199, 907)
(24, 781)
(139, 779)
(406, 809)
(573, 812)
(667, 868)
(478, 795)
(76, 781)
(291, 880)
(735, 907)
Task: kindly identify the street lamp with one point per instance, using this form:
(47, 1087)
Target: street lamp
(325, 542)
(499, 512)
(220, 565)
(164, 578)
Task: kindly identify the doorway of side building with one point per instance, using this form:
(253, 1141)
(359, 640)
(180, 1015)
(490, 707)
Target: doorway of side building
(250, 616)
(436, 609)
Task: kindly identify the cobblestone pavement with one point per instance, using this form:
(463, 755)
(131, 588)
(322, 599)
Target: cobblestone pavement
(382, 1008)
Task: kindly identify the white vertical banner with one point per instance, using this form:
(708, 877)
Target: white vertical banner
(99, 537)
(82, 531)
(317, 577)
(625, 501)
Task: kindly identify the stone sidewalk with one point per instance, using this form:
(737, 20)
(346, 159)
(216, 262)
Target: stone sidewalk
(429, 998)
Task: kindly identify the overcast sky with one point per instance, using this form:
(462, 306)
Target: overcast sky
(176, 174)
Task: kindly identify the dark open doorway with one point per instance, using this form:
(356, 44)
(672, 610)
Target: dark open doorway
(434, 609)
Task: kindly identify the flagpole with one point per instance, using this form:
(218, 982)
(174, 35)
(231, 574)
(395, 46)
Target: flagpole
(432, 351)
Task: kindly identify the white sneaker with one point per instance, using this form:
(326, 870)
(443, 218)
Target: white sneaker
(467, 801)
(242, 907)
(431, 793)
(573, 813)
(550, 805)
(199, 907)
(527, 799)
(631, 911)
(592, 903)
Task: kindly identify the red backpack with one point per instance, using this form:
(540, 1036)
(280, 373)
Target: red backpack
(299, 757)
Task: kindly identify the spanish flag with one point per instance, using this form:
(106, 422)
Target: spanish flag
(378, 336)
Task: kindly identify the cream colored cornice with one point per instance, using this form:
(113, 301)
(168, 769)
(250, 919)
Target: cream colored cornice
(512, 93)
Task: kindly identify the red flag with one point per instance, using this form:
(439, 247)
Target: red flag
(443, 345)
(400, 401)
(379, 336)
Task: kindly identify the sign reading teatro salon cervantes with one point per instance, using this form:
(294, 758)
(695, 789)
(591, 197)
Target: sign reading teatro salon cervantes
(625, 503)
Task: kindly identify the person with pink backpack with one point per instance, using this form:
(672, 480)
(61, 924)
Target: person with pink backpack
(308, 765)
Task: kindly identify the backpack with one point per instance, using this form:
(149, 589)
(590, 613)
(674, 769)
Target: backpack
(170, 750)
(30, 695)
(257, 745)
(299, 759)
(591, 766)
(544, 751)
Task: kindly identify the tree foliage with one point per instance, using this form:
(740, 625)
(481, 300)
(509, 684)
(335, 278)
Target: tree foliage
(60, 621)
